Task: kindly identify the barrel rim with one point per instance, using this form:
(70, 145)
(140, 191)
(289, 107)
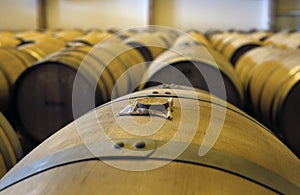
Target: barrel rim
(80, 153)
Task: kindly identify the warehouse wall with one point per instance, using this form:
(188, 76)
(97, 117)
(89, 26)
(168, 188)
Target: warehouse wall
(18, 14)
(96, 13)
(184, 14)
(204, 14)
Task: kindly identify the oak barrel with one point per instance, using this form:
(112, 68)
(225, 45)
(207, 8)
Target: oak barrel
(7, 40)
(260, 35)
(43, 45)
(277, 38)
(251, 59)
(28, 35)
(291, 42)
(46, 88)
(92, 38)
(266, 78)
(4, 95)
(198, 36)
(12, 63)
(189, 63)
(245, 159)
(272, 91)
(237, 47)
(279, 97)
(10, 148)
(150, 45)
(68, 35)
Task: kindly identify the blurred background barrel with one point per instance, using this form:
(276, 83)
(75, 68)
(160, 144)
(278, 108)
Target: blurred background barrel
(251, 59)
(41, 46)
(189, 63)
(91, 38)
(47, 88)
(68, 35)
(277, 38)
(7, 39)
(237, 47)
(10, 147)
(270, 78)
(12, 63)
(260, 35)
(200, 37)
(150, 45)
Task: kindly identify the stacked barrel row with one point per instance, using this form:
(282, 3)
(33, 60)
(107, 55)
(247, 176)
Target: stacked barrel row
(18, 51)
(269, 70)
(116, 143)
(70, 73)
(43, 94)
(14, 59)
(284, 40)
(193, 62)
(80, 76)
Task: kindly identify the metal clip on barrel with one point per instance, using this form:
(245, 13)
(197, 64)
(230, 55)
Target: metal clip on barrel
(139, 108)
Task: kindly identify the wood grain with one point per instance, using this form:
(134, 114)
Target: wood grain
(241, 136)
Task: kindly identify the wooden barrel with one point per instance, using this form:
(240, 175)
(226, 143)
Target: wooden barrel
(5, 93)
(12, 63)
(274, 90)
(220, 40)
(68, 35)
(285, 107)
(286, 112)
(150, 45)
(291, 42)
(269, 74)
(121, 60)
(198, 36)
(9, 41)
(247, 67)
(28, 35)
(168, 36)
(123, 34)
(47, 87)
(190, 63)
(92, 38)
(251, 59)
(260, 35)
(216, 39)
(46, 90)
(10, 148)
(6, 33)
(43, 46)
(226, 40)
(212, 32)
(239, 46)
(276, 38)
(246, 158)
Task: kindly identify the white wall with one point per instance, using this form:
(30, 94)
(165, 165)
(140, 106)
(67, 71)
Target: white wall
(207, 14)
(96, 13)
(18, 14)
(183, 14)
